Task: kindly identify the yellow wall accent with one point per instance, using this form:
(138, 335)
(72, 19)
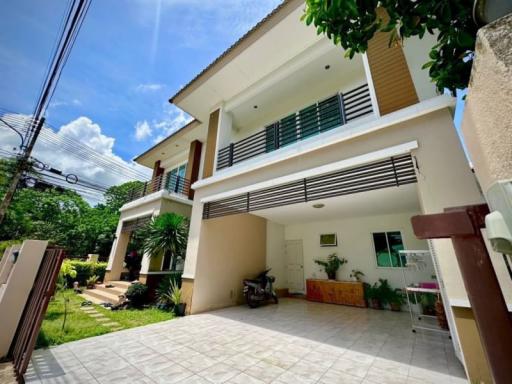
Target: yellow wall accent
(476, 361)
(211, 144)
(391, 78)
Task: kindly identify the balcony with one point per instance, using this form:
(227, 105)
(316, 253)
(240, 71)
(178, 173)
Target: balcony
(173, 184)
(315, 119)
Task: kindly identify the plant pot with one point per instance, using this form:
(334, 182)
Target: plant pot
(441, 315)
(375, 304)
(179, 309)
(396, 307)
(331, 276)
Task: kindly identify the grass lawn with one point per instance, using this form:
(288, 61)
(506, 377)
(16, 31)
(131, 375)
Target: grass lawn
(79, 325)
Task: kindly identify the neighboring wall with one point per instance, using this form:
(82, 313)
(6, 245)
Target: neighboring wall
(355, 243)
(231, 249)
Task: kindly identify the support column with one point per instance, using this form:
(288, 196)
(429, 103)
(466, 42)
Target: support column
(194, 161)
(117, 254)
(211, 144)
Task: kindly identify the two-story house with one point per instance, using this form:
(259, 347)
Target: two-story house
(291, 141)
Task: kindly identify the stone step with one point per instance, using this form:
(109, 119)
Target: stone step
(102, 296)
(92, 299)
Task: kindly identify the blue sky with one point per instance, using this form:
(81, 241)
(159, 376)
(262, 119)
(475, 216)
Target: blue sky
(129, 58)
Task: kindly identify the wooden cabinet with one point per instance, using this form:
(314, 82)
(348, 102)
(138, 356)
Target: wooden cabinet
(336, 292)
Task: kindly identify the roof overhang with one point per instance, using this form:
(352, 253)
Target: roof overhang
(280, 36)
(173, 144)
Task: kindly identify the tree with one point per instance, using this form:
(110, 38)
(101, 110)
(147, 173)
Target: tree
(118, 195)
(352, 23)
(166, 234)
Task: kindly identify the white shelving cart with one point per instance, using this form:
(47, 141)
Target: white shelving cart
(416, 260)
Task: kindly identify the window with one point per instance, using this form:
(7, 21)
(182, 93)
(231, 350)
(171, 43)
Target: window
(175, 176)
(387, 245)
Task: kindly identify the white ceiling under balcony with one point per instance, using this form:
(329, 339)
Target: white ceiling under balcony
(371, 203)
(322, 72)
(280, 44)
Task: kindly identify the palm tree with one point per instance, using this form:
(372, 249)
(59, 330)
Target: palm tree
(166, 233)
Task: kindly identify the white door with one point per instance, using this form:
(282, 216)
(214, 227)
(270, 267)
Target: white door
(295, 266)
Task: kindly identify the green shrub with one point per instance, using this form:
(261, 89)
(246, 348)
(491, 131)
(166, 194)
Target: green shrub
(85, 270)
(6, 244)
(165, 285)
(137, 293)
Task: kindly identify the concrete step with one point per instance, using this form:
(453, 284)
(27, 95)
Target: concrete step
(90, 298)
(104, 297)
(113, 290)
(120, 284)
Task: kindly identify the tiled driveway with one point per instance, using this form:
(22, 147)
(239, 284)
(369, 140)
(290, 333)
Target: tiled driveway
(293, 342)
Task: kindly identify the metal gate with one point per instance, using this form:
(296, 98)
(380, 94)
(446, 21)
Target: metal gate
(35, 309)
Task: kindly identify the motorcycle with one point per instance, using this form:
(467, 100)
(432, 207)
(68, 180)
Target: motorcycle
(259, 290)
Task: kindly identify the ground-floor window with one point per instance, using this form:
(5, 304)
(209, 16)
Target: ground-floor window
(387, 247)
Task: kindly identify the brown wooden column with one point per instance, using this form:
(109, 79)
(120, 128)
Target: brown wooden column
(462, 225)
(211, 144)
(391, 78)
(194, 161)
(156, 181)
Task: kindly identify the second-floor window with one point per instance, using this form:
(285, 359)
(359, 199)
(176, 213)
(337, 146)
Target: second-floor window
(175, 178)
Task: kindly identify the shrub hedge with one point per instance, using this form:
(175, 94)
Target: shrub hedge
(86, 269)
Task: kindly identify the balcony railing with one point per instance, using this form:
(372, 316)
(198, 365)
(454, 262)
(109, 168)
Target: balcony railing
(320, 117)
(172, 183)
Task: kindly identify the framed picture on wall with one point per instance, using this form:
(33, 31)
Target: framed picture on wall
(328, 240)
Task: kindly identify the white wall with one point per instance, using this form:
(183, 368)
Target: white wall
(416, 52)
(355, 243)
(276, 252)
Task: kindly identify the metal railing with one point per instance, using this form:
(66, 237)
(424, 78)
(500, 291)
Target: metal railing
(320, 117)
(391, 172)
(172, 183)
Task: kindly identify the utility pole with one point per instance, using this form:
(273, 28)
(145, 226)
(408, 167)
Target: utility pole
(21, 166)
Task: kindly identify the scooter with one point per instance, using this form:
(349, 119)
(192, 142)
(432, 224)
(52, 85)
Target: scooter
(259, 290)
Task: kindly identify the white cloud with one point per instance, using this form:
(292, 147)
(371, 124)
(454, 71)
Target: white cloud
(151, 87)
(62, 103)
(142, 130)
(173, 120)
(52, 148)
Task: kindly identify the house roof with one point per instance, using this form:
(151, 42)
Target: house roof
(280, 12)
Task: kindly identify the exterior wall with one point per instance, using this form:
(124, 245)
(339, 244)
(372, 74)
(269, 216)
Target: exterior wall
(14, 294)
(230, 249)
(416, 52)
(487, 121)
(355, 243)
(276, 257)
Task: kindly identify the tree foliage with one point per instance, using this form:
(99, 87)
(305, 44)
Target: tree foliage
(64, 218)
(352, 23)
(167, 234)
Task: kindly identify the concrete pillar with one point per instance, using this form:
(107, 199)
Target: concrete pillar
(117, 254)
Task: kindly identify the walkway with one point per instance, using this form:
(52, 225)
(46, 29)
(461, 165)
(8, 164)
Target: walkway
(293, 342)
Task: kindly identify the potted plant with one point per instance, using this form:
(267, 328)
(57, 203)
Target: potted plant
(428, 302)
(332, 265)
(372, 294)
(383, 294)
(91, 281)
(174, 295)
(356, 275)
(396, 299)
